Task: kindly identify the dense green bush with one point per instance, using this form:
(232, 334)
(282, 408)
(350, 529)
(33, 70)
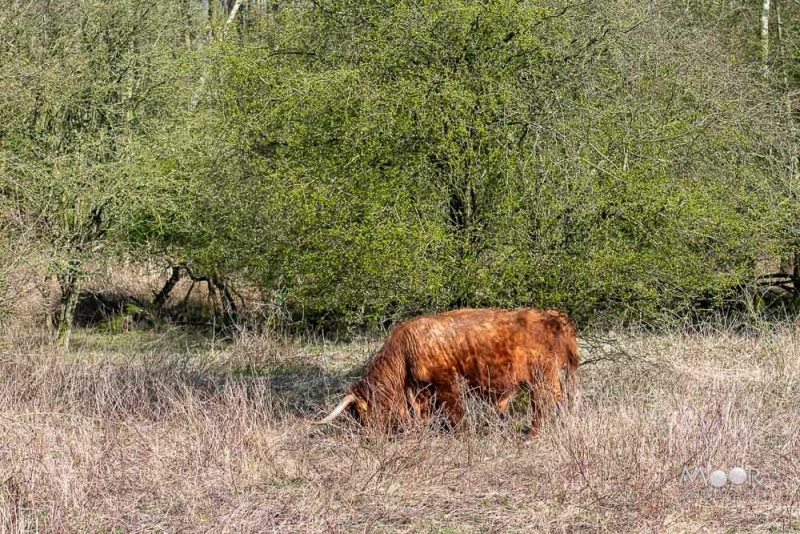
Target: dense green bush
(364, 161)
(420, 155)
(83, 87)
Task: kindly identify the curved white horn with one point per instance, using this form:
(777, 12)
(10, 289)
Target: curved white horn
(346, 401)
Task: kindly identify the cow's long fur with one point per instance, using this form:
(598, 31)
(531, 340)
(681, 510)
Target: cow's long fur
(493, 351)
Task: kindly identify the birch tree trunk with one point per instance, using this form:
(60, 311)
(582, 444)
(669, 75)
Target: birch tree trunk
(201, 84)
(765, 33)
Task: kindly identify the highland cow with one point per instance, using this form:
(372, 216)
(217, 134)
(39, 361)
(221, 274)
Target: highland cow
(494, 352)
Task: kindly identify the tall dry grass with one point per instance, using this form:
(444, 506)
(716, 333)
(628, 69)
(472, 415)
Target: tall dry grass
(141, 433)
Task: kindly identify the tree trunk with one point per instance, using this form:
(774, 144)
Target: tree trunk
(226, 300)
(70, 286)
(201, 84)
(188, 294)
(163, 295)
(212, 294)
(765, 33)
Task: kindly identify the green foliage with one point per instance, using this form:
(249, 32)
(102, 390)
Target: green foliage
(82, 87)
(433, 154)
(364, 161)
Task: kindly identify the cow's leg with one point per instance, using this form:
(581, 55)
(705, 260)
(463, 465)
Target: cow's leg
(449, 397)
(545, 392)
(420, 402)
(502, 402)
(413, 401)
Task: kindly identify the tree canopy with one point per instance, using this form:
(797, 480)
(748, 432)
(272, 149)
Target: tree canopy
(364, 161)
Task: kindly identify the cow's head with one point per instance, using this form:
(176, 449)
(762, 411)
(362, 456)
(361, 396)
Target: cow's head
(354, 402)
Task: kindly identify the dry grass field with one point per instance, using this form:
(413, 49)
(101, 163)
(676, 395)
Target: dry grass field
(173, 432)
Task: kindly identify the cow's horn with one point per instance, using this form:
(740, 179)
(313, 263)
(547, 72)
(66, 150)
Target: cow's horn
(346, 401)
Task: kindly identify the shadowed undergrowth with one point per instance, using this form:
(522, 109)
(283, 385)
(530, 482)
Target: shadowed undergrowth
(204, 436)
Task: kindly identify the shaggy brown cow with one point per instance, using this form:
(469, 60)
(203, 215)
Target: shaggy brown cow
(493, 351)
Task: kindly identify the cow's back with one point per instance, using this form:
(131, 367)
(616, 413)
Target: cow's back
(491, 348)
